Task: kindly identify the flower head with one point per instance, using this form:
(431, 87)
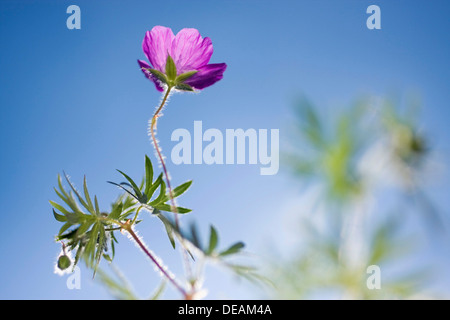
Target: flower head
(179, 61)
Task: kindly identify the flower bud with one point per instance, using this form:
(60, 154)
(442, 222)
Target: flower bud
(64, 262)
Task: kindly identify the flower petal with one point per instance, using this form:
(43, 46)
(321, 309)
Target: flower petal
(190, 51)
(156, 45)
(207, 75)
(144, 65)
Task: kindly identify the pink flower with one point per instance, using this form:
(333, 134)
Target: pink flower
(179, 61)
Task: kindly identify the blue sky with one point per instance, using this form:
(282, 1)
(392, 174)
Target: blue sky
(75, 100)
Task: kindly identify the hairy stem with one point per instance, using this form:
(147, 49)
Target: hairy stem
(160, 156)
(173, 205)
(158, 265)
(129, 228)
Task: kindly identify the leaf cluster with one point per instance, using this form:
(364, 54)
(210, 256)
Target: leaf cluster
(89, 231)
(170, 77)
(85, 229)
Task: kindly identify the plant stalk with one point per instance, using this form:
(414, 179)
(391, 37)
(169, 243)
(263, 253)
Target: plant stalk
(173, 205)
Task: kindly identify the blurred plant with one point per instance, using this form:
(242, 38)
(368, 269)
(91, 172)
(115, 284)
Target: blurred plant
(329, 156)
(178, 63)
(348, 225)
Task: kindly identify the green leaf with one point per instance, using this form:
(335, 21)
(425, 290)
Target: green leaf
(250, 274)
(160, 204)
(195, 239)
(97, 209)
(184, 76)
(154, 186)
(66, 197)
(84, 227)
(158, 75)
(116, 211)
(182, 210)
(133, 184)
(235, 248)
(118, 286)
(168, 208)
(80, 199)
(169, 231)
(184, 87)
(141, 186)
(159, 291)
(171, 68)
(68, 235)
(59, 207)
(59, 217)
(121, 187)
(311, 125)
(86, 195)
(213, 240)
(70, 202)
(161, 196)
(63, 191)
(178, 191)
(65, 226)
(175, 230)
(91, 244)
(100, 248)
(148, 176)
(113, 249)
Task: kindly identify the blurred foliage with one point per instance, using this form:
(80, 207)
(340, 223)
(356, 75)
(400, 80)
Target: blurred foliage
(363, 160)
(329, 153)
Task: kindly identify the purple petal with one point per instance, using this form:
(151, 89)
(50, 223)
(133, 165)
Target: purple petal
(190, 51)
(207, 75)
(157, 43)
(144, 65)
